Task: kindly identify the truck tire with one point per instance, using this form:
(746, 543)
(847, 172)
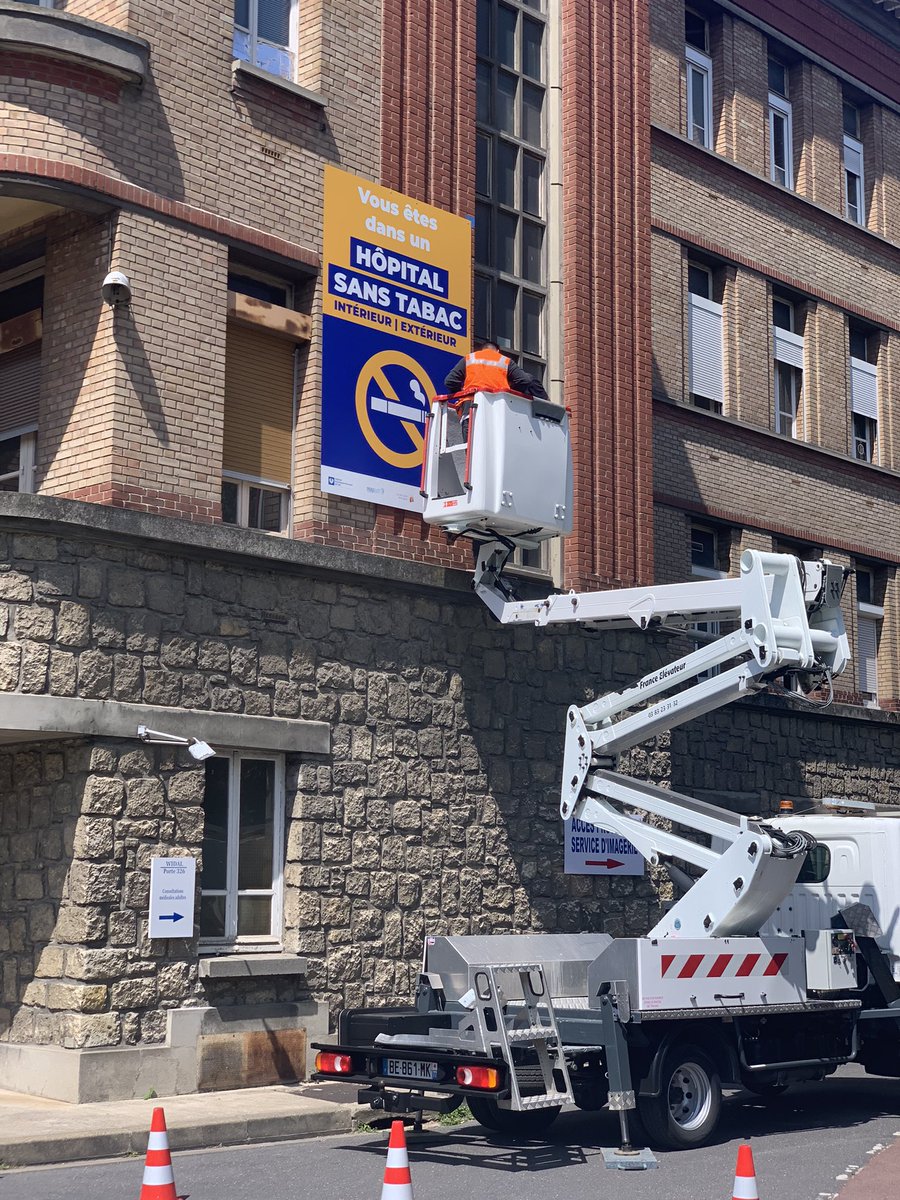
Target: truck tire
(687, 1109)
(515, 1124)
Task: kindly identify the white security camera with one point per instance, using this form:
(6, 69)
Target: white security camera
(200, 750)
(116, 289)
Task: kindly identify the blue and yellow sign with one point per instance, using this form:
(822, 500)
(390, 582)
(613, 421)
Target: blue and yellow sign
(398, 281)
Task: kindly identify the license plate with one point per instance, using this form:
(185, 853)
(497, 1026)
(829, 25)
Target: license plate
(410, 1068)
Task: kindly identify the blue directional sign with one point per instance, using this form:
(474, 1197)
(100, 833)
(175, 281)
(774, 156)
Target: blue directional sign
(172, 882)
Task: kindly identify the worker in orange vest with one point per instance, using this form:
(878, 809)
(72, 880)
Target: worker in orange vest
(488, 370)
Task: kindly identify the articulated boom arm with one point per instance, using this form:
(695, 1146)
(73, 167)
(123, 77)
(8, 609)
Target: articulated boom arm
(788, 622)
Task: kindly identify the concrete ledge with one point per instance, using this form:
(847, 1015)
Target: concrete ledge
(55, 716)
(242, 71)
(33, 1136)
(58, 35)
(74, 520)
(241, 966)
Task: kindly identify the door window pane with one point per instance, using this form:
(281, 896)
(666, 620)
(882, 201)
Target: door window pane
(264, 510)
(242, 13)
(505, 313)
(212, 916)
(507, 227)
(483, 213)
(273, 21)
(695, 30)
(483, 107)
(507, 86)
(532, 180)
(482, 306)
(851, 120)
(532, 323)
(532, 251)
(532, 114)
(699, 282)
(532, 46)
(699, 119)
(778, 77)
(506, 36)
(507, 155)
(483, 165)
(215, 828)
(483, 41)
(256, 823)
(779, 148)
(254, 916)
(783, 315)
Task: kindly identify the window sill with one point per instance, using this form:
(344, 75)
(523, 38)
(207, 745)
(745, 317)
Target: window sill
(61, 35)
(244, 966)
(242, 71)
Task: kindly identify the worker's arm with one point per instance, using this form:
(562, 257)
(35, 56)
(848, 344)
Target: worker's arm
(521, 381)
(455, 378)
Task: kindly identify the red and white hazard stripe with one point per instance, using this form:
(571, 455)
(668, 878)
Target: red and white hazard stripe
(720, 966)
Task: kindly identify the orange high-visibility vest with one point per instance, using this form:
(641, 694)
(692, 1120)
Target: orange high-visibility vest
(486, 371)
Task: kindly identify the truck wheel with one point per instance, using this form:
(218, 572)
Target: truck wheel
(686, 1111)
(516, 1124)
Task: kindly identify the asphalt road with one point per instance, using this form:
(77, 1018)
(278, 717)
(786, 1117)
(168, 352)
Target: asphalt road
(801, 1143)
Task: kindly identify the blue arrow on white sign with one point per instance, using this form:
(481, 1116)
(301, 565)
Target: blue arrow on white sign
(172, 882)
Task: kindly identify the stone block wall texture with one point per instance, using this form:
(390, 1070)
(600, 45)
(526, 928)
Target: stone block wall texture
(80, 821)
(435, 811)
(437, 808)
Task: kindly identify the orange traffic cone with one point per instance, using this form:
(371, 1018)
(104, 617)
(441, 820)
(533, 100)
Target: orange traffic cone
(397, 1182)
(745, 1176)
(159, 1179)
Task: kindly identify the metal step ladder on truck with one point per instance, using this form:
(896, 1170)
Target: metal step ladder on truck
(780, 960)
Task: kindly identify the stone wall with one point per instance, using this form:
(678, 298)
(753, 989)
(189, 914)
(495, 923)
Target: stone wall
(766, 749)
(79, 823)
(435, 810)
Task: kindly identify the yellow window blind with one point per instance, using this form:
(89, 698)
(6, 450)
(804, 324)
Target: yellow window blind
(259, 404)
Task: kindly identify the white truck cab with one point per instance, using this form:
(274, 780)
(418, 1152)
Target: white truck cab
(856, 861)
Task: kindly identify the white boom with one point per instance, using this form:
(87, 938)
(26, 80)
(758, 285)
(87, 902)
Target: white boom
(789, 623)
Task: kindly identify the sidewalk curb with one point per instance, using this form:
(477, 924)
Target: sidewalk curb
(50, 1150)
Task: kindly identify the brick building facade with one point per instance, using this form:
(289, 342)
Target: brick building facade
(387, 758)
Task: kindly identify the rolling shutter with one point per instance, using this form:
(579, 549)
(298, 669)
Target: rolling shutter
(864, 388)
(705, 333)
(789, 347)
(259, 404)
(867, 654)
(20, 388)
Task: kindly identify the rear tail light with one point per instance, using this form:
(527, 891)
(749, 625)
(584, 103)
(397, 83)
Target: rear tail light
(334, 1064)
(477, 1077)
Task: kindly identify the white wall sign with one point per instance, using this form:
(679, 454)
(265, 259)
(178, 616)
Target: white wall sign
(593, 851)
(172, 897)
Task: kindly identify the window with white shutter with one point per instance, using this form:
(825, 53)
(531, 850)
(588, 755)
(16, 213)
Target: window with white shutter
(698, 70)
(854, 183)
(788, 349)
(265, 34)
(868, 629)
(705, 376)
(705, 339)
(864, 344)
(867, 655)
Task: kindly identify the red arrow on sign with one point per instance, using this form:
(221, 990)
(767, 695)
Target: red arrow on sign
(609, 863)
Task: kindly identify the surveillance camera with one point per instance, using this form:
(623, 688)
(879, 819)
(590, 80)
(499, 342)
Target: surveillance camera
(200, 750)
(116, 289)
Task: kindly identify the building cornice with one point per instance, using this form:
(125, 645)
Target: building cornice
(26, 28)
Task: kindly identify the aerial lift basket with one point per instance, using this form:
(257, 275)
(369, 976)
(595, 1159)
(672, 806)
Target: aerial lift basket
(498, 463)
